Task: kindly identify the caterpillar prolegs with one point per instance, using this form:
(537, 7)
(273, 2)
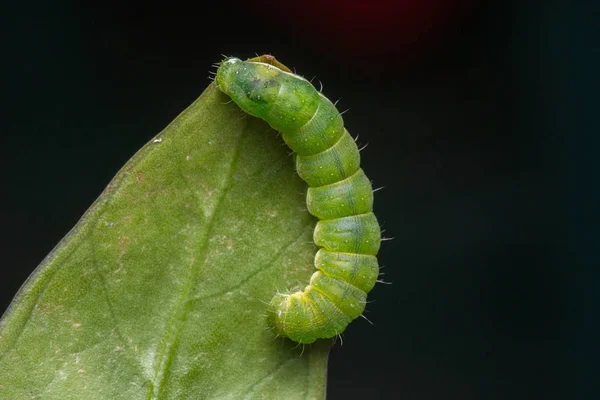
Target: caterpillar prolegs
(339, 195)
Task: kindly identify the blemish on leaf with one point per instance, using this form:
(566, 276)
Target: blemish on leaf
(227, 242)
(124, 243)
(44, 307)
(139, 176)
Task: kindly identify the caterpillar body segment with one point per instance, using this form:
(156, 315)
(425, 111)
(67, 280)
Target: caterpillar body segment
(339, 194)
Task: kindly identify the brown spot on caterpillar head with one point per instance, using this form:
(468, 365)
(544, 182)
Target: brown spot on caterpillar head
(269, 59)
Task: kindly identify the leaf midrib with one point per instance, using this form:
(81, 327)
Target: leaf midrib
(171, 336)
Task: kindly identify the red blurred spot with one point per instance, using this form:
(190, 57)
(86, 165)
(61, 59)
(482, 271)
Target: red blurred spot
(373, 28)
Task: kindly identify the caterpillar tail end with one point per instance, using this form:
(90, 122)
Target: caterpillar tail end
(275, 313)
(288, 317)
(306, 316)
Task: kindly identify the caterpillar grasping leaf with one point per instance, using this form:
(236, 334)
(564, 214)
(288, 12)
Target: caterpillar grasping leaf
(339, 194)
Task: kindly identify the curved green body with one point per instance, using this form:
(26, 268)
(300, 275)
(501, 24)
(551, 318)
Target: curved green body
(339, 194)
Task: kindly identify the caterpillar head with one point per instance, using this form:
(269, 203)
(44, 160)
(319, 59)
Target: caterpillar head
(253, 86)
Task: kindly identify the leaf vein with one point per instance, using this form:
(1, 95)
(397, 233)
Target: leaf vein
(171, 336)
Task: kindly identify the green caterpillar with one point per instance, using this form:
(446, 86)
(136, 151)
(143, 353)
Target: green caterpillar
(339, 194)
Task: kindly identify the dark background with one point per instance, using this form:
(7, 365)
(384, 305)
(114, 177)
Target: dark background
(479, 118)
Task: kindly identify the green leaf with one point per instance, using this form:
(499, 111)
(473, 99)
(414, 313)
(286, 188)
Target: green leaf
(161, 290)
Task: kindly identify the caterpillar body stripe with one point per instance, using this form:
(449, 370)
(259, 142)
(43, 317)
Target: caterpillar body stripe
(339, 195)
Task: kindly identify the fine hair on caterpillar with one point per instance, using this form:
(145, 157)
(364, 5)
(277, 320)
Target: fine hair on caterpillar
(339, 194)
